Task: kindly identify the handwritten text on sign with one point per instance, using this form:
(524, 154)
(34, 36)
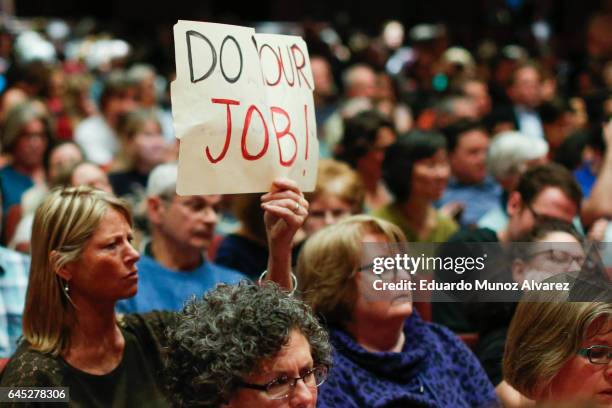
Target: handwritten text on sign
(243, 109)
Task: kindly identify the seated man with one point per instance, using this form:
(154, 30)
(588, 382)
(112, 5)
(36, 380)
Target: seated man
(544, 191)
(469, 186)
(173, 267)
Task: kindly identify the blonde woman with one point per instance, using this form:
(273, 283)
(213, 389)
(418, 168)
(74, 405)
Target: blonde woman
(339, 193)
(384, 353)
(83, 263)
(559, 351)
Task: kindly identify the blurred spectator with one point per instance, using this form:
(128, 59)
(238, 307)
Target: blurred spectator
(449, 110)
(84, 174)
(27, 80)
(416, 170)
(544, 191)
(338, 193)
(510, 155)
(77, 103)
(479, 92)
(58, 158)
(470, 187)
(245, 250)
(386, 101)
(61, 155)
(146, 80)
(14, 271)
(366, 137)
(598, 204)
(359, 81)
(359, 85)
(429, 41)
(25, 136)
(97, 135)
(525, 94)
(173, 263)
(506, 62)
(142, 149)
(325, 92)
(558, 122)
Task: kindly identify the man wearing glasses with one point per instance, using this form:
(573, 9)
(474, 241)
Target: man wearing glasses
(546, 191)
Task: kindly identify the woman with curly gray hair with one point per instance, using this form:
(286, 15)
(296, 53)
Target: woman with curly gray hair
(262, 348)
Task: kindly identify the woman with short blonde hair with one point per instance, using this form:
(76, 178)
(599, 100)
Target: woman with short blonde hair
(339, 193)
(338, 179)
(329, 264)
(561, 351)
(384, 353)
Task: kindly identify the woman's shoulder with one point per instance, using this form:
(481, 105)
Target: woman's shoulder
(150, 326)
(31, 368)
(445, 227)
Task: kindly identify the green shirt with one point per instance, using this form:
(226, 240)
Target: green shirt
(445, 226)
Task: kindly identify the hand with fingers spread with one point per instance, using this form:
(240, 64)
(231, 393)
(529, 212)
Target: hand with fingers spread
(285, 211)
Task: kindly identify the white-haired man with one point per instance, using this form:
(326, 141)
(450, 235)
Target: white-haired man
(510, 154)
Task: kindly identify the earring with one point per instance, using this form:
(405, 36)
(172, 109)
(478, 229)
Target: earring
(66, 287)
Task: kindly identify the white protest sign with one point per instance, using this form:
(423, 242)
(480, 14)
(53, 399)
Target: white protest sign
(243, 109)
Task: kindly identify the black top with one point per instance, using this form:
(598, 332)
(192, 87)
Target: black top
(243, 255)
(127, 183)
(135, 382)
(455, 315)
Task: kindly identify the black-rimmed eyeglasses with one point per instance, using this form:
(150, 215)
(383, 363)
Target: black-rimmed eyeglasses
(597, 354)
(281, 387)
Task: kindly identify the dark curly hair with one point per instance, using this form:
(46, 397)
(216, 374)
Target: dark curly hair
(220, 339)
(360, 133)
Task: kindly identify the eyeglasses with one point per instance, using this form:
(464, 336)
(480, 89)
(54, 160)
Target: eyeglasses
(281, 387)
(561, 257)
(597, 354)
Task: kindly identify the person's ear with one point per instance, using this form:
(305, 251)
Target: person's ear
(518, 270)
(64, 271)
(155, 209)
(514, 204)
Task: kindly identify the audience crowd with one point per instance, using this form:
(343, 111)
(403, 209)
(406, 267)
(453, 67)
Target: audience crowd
(131, 295)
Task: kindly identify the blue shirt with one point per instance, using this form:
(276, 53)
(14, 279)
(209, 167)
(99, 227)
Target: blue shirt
(477, 198)
(586, 178)
(14, 184)
(160, 288)
(14, 272)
